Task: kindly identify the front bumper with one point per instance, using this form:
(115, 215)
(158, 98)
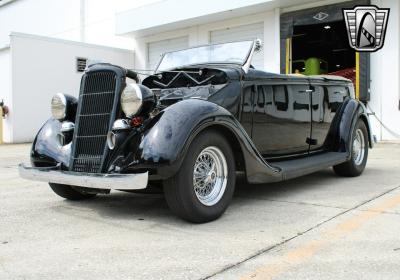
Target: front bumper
(136, 181)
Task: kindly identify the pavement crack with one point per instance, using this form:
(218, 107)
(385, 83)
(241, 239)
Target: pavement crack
(267, 249)
(292, 202)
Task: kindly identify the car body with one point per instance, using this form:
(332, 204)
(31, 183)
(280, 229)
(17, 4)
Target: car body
(189, 128)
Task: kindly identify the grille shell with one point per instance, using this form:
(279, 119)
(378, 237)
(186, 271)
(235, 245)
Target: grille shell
(97, 108)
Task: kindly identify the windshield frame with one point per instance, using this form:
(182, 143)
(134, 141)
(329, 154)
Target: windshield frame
(243, 65)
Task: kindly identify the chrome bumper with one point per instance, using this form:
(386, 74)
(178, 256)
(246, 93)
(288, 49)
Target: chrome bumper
(136, 181)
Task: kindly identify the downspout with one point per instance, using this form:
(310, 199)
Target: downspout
(82, 21)
(397, 13)
(1, 124)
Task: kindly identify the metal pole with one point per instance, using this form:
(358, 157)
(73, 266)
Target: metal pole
(1, 125)
(82, 21)
(288, 55)
(357, 75)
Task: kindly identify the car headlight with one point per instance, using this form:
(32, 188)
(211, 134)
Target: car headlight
(59, 106)
(131, 100)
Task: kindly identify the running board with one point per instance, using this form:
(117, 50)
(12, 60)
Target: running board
(303, 166)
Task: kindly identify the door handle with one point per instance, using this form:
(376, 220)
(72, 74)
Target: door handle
(309, 90)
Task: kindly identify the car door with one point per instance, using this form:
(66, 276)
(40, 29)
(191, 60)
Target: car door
(327, 99)
(282, 118)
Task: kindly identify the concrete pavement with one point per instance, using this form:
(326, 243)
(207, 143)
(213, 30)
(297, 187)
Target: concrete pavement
(316, 227)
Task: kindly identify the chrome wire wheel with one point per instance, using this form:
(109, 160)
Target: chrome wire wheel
(358, 147)
(210, 176)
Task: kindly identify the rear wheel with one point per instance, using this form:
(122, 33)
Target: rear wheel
(68, 192)
(359, 153)
(202, 189)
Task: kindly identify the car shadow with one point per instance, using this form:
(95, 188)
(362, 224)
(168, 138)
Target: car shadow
(124, 205)
(153, 207)
(308, 182)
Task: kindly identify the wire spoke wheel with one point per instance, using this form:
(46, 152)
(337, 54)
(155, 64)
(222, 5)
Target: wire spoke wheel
(204, 185)
(358, 147)
(210, 176)
(355, 165)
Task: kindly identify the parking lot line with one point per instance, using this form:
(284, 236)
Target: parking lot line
(306, 251)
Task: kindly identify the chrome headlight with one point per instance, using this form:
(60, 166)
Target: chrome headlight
(59, 106)
(131, 100)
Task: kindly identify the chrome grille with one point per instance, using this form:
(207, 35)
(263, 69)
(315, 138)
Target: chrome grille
(93, 121)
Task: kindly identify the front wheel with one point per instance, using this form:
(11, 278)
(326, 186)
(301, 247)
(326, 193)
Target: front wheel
(359, 153)
(203, 187)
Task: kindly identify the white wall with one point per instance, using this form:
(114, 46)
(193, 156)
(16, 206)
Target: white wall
(100, 21)
(42, 17)
(5, 88)
(42, 67)
(385, 74)
(91, 21)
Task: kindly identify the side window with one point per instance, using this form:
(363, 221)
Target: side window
(264, 96)
(247, 99)
(300, 102)
(281, 98)
(336, 96)
(301, 98)
(320, 110)
(260, 100)
(268, 95)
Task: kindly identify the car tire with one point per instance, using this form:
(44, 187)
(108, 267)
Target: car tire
(204, 185)
(359, 153)
(68, 192)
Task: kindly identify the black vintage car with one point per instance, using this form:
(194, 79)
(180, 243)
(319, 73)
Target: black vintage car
(204, 115)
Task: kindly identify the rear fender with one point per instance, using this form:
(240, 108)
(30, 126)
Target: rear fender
(352, 111)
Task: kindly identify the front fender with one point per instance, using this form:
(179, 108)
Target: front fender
(46, 151)
(164, 146)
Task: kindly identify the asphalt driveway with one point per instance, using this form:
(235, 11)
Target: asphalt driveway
(316, 227)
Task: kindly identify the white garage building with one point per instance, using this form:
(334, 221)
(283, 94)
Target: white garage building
(173, 24)
(33, 68)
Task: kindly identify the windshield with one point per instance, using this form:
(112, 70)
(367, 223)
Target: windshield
(235, 53)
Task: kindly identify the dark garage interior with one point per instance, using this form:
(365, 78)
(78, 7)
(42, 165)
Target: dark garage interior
(326, 42)
(314, 41)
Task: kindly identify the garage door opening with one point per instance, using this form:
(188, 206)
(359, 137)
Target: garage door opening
(323, 49)
(314, 41)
